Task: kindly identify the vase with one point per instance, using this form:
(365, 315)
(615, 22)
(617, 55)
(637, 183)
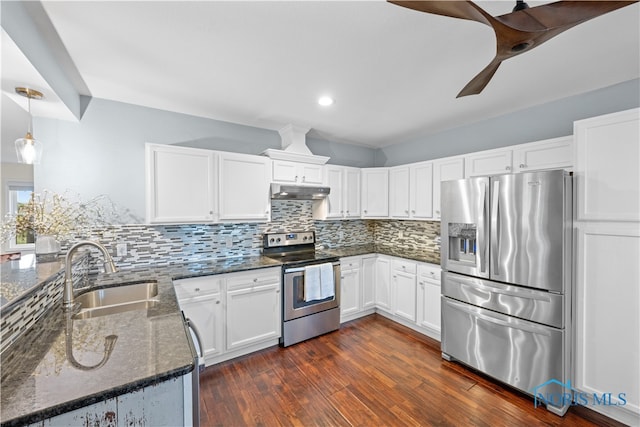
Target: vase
(47, 248)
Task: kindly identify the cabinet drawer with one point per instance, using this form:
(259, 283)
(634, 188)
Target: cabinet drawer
(406, 266)
(429, 273)
(253, 278)
(196, 286)
(349, 263)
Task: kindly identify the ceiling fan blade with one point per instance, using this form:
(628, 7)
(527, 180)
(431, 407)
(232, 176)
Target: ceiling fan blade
(478, 83)
(559, 14)
(455, 9)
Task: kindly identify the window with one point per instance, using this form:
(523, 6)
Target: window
(19, 195)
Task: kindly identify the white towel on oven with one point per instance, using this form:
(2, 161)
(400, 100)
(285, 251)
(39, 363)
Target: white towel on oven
(312, 284)
(327, 284)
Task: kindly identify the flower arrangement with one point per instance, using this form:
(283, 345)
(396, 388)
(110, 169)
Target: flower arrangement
(58, 216)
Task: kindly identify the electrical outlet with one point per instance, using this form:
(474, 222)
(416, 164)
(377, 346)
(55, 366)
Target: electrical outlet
(228, 242)
(121, 249)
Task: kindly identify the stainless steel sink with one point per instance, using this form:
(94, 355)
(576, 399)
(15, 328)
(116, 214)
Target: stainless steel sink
(117, 299)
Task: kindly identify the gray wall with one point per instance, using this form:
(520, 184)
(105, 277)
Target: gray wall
(550, 120)
(104, 152)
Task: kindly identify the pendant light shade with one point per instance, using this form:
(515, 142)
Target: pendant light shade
(29, 149)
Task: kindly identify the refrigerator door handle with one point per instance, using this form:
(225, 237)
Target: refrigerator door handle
(495, 231)
(482, 229)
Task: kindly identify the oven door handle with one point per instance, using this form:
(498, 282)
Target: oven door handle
(299, 269)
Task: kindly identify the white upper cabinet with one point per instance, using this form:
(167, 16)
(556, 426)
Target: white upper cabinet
(491, 162)
(607, 174)
(421, 190)
(180, 185)
(375, 193)
(556, 153)
(244, 187)
(297, 173)
(445, 170)
(399, 192)
(343, 201)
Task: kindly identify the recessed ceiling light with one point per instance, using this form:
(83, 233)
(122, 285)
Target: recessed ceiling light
(325, 101)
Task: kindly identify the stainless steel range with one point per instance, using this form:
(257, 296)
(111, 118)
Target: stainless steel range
(311, 285)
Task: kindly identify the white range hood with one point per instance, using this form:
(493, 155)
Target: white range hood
(294, 147)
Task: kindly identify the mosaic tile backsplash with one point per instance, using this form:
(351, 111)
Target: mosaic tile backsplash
(178, 244)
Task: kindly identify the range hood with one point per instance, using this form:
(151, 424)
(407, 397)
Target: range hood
(294, 147)
(298, 192)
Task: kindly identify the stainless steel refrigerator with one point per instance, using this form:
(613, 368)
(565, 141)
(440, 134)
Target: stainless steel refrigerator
(506, 281)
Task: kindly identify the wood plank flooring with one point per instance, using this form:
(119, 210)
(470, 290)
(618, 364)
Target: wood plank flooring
(372, 372)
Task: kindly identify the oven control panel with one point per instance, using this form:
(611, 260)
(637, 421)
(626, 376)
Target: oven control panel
(272, 240)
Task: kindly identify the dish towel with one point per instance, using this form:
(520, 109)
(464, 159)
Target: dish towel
(327, 285)
(312, 286)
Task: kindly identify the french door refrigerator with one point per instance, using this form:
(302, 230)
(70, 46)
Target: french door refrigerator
(506, 281)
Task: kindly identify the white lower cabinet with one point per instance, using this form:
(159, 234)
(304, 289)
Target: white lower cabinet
(383, 283)
(428, 297)
(404, 290)
(200, 299)
(368, 282)
(253, 312)
(350, 302)
(235, 313)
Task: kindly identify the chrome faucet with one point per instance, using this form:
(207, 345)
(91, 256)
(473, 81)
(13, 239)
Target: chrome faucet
(109, 267)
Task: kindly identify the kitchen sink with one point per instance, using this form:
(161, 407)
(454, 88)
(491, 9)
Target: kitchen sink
(117, 299)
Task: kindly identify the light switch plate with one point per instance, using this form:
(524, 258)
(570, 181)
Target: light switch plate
(121, 249)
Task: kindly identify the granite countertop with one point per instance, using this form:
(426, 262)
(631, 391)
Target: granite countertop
(20, 277)
(408, 253)
(41, 377)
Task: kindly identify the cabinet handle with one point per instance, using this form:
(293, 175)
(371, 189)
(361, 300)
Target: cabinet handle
(296, 178)
(304, 178)
(406, 211)
(218, 302)
(508, 168)
(197, 289)
(413, 211)
(365, 211)
(210, 212)
(342, 277)
(522, 165)
(277, 291)
(255, 280)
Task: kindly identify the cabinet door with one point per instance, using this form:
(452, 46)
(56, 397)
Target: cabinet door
(351, 197)
(554, 153)
(336, 195)
(607, 176)
(428, 313)
(244, 187)
(445, 170)
(607, 307)
(180, 184)
(253, 315)
(489, 162)
(421, 188)
(383, 284)
(285, 171)
(399, 192)
(350, 294)
(368, 282)
(310, 174)
(404, 295)
(375, 193)
(206, 313)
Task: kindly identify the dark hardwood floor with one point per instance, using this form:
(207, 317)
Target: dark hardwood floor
(372, 372)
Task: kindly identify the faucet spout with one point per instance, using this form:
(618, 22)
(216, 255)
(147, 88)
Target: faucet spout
(109, 267)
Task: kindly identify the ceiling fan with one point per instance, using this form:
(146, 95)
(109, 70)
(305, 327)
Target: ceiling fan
(519, 31)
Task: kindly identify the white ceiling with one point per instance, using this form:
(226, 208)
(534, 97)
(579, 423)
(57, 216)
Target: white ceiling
(393, 72)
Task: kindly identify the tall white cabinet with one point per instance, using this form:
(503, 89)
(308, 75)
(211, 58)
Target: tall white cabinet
(607, 279)
(343, 201)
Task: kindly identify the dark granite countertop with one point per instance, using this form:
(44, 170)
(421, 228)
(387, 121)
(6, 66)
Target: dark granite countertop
(408, 253)
(19, 278)
(41, 380)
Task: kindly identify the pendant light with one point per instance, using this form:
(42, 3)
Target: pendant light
(29, 149)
